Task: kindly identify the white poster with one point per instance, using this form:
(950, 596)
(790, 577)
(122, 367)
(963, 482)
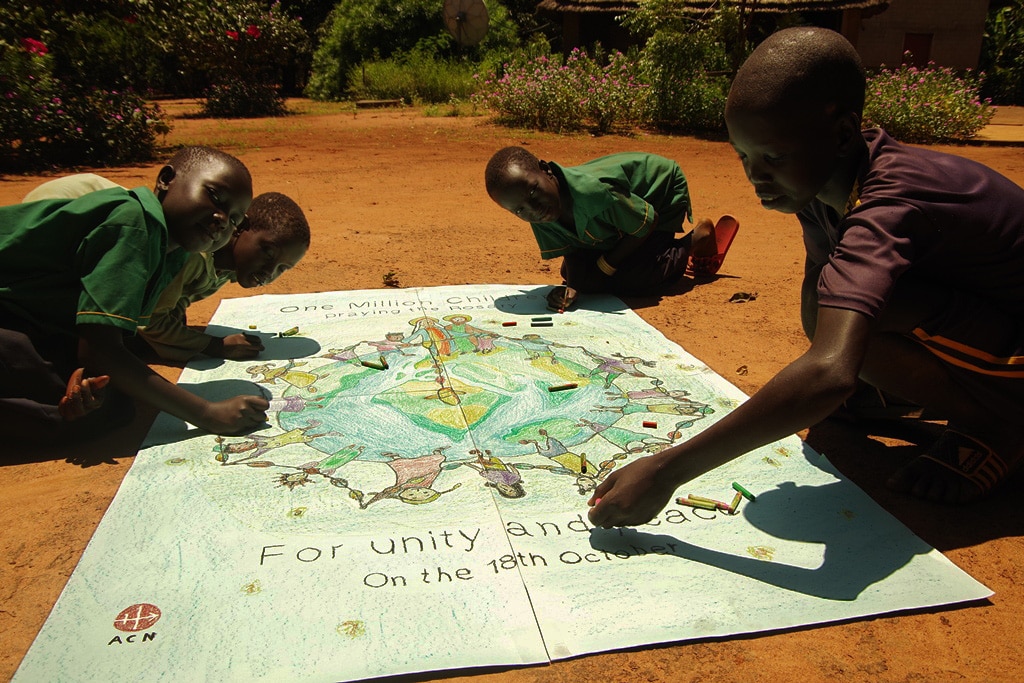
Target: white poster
(417, 502)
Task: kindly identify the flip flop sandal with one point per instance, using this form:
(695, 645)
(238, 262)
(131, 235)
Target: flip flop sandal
(725, 233)
(969, 458)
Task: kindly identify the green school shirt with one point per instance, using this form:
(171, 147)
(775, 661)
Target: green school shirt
(614, 196)
(99, 259)
(168, 331)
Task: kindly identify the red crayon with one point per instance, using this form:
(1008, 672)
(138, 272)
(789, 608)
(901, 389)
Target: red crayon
(650, 425)
(509, 323)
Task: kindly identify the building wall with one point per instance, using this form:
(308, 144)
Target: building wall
(954, 29)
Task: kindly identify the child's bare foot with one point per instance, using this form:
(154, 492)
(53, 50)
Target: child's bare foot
(703, 244)
(82, 396)
(710, 243)
(955, 469)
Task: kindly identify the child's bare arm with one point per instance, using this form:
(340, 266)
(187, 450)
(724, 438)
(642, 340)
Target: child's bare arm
(104, 352)
(801, 394)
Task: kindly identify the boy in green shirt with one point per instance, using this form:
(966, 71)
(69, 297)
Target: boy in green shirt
(612, 219)
(272, 239)
(75, 274)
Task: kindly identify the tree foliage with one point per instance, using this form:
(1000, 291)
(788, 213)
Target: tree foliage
(361, 30)
(1001, 54)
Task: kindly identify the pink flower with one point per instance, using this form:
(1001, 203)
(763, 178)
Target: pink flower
(34, 46)
(252, 31)
(233, 35)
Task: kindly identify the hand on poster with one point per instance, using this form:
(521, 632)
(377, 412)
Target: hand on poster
(633, 495)
(239, 346)
(562, 298)
(235, 415)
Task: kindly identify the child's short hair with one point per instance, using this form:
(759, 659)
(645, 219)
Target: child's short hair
(188, 158)
(504, 159)
(278, 216)
(801, 65)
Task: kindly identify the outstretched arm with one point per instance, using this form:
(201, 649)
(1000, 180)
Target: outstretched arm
(104, 352)
(801, 394)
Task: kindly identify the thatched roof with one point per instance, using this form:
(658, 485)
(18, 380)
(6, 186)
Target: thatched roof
(704, 6)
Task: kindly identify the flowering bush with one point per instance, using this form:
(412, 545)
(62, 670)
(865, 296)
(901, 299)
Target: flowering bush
(926, 105)
(545, 94)
(239, 98)
(243, 50)
(44, 122)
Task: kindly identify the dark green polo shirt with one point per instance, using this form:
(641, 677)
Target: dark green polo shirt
(614, 196)
(98, 259)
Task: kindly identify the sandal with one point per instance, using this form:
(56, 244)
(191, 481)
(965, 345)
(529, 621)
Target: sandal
(725, 233)
(969, 458)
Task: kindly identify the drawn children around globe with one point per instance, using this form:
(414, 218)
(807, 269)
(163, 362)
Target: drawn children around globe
(691, 408)
(657, 391)
(428, 333)
(502, 476)
(464, 372)
(536, 347)
(327, 466)
(414, 479)
(259, 444)
(468, 338)
(346, 354)
(295, 404)
(626, 439)
(286, 374)
(616, 366)
(568, 463)
(391, 345)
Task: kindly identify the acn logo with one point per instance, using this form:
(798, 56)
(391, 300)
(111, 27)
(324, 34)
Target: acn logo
(137, 617)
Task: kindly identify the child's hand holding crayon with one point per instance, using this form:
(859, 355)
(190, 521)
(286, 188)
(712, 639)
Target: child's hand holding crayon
(561, 298)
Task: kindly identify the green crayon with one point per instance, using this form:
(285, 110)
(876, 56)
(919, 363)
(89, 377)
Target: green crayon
(746, 494)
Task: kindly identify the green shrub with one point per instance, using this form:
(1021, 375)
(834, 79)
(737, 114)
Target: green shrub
(926, 105)
(546, 94)
(413, 78)
(1001, 54)
(686, 71)
(242, 99)
(46, 123)
(359, 31)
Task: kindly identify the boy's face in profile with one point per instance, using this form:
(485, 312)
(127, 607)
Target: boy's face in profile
(259, 259)
(788, 153)
(529, 194)
(203, 204)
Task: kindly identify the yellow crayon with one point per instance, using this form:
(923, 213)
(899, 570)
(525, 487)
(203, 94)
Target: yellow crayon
(717, 503)
(736, 502)
(289, 332)
(696, 504)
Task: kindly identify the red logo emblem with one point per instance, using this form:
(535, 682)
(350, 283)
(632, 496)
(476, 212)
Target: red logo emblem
(137, 617)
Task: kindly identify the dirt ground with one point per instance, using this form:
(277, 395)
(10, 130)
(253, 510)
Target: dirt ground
(395, 191)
